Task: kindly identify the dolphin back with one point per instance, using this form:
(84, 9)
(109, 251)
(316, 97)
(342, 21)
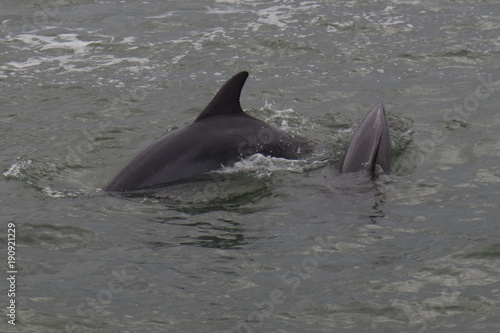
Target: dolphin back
(220, 136)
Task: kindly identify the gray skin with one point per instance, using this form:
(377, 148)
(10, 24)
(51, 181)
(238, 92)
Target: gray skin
(221, 135)
(370, 147)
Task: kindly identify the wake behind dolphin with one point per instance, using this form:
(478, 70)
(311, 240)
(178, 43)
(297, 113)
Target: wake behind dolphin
(223, 134)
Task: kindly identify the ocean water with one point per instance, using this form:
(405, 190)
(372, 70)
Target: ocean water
(268, 245)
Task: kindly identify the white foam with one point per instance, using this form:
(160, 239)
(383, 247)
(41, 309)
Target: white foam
(264, 166)
(71, 64)
(61, 41)
(16, 168)
(128, 40)
(53, 193)
(281, 15)
(176, 59)
(216, 33)
(276, 15)
(69, 61)
(231, 1)
(56, 194)
(35, 61)
(218, 11)
(162, 16)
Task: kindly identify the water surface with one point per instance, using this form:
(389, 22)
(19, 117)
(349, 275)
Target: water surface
(269, 245)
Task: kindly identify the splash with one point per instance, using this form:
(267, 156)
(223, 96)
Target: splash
(264, 166)
(15, 170)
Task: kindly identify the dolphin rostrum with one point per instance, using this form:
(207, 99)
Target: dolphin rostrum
(370, 148)
(221, 135)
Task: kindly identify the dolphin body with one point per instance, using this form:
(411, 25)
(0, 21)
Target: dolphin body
(221, 135)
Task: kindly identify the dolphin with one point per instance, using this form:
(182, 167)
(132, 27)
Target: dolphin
(220, 136)
(369, 152)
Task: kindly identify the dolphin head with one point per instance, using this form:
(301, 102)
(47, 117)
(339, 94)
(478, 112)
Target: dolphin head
(370, 146)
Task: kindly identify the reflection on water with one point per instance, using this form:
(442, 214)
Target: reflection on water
(222, 234)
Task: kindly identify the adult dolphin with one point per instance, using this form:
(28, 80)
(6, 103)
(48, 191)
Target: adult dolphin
(221, 135)
(370, 149)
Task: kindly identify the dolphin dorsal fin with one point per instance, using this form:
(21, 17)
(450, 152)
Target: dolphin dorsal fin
(227, 100)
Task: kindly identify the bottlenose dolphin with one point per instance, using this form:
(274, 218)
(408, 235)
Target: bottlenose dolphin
(370, 149)
(221, 135)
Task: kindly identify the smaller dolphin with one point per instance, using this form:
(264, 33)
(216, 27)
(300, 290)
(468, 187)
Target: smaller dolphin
(221, 135)
(370, 147)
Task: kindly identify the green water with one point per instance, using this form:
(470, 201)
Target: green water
(269, 245)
